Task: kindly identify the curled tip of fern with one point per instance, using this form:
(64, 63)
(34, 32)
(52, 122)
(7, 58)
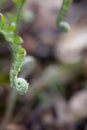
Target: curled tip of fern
(64, 26)
(21, 85)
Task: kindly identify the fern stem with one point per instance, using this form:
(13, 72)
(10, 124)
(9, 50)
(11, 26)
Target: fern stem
(13, 94)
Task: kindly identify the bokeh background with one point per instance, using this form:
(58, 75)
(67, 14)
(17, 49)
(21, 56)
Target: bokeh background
(55, 67)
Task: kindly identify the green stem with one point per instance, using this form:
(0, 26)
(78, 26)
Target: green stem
(9, 110)
(63, 10)
(12, 96)
(18, 16)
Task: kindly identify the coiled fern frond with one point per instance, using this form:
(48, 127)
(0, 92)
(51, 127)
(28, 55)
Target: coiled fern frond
(62, 24)
(19, 54)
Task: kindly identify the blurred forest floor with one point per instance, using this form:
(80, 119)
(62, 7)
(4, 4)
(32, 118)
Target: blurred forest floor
(57, 95)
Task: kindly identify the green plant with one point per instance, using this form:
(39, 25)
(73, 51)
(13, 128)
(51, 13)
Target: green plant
(10, 31)
(9, 25)
(63, 25)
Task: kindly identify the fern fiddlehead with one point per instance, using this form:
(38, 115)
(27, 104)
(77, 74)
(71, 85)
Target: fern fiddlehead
(63, 25)
(18, 83)
(19, 54)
